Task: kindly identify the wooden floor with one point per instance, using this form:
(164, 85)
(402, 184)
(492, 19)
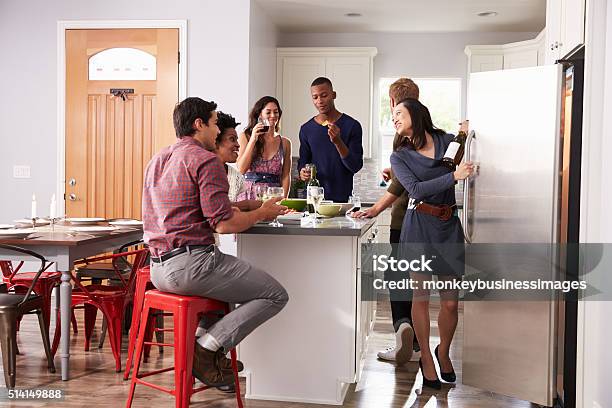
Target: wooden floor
(95, 383)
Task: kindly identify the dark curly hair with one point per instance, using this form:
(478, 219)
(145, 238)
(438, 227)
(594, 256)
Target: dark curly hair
(253, 118)
(225, 121)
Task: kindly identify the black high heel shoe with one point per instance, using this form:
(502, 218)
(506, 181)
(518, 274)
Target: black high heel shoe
(435, 384)
(448, 377)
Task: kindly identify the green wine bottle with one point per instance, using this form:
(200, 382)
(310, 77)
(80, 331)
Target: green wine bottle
(313, 182)
(454, 152)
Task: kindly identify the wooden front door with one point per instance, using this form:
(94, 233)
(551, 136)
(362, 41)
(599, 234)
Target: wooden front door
(111, 138)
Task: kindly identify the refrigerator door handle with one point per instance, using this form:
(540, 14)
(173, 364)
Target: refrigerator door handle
(466, 192)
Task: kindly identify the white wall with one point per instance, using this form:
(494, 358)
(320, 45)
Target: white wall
(595, 330)
(218, 62)
(411, 55)
(263, 41)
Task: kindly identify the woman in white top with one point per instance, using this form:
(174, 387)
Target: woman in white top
(227, 151)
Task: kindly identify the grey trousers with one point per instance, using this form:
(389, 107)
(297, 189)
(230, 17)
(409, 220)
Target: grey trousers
(226, 278)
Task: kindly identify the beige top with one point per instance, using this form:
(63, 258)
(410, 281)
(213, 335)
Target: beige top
(236, 182)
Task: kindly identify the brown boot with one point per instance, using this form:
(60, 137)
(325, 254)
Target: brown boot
(226, 363)
(207, 367)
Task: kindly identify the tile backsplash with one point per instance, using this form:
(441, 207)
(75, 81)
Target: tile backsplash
(366, 183)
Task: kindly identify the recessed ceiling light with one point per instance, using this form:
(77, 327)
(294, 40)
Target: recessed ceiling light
(487, 14)
(353, 14)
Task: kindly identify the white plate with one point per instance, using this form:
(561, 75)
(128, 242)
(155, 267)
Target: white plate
(291, 216)
(16, 232)
(85, 221)
(126, 223)
(6, 226)
(93, 229)
(28, 221)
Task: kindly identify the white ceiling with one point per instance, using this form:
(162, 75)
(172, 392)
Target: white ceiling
(405, 15)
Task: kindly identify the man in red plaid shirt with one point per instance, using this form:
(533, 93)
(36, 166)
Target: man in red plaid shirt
(184, 202)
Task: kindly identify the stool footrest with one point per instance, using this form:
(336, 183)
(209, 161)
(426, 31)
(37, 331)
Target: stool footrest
(162, 370)
(154, 343)
(157, 387)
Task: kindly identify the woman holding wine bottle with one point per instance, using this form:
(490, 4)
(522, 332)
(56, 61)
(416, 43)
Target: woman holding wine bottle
(264, 156)
(431, 225)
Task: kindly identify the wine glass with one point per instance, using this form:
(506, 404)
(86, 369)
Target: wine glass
(356, 201)
(275, 192)
(316, 195)
(260, 191)
(266, 124)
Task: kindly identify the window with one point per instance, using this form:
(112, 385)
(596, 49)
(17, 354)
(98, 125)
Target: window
(122, 64)
(442, 96)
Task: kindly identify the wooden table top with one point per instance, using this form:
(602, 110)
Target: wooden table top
(62, 235)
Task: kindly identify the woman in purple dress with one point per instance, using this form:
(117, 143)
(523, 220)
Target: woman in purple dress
(265, 156)
(431, 227)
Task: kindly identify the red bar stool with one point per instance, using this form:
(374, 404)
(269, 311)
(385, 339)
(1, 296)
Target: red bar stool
(143, 284)
(186, 311)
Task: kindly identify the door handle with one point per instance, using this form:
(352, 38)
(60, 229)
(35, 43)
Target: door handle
(72, 197)
(466, 192)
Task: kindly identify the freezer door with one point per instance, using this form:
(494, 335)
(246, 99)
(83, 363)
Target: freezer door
(509, 345)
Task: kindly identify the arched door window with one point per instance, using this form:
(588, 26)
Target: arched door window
(122, 64)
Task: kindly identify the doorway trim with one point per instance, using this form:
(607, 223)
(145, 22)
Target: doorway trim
(64, 25)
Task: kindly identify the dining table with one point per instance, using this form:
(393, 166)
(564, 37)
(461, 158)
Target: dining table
(63, 244)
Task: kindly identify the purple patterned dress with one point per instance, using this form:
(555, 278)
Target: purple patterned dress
(263, 172)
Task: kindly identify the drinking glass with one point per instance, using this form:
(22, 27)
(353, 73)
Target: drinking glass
(316, 195)
(260, 191)
(356, 201)
(308, 168)
(265, 123)
(275, 192)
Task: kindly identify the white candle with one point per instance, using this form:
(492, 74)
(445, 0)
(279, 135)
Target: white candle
(33, 206)
(52, 213)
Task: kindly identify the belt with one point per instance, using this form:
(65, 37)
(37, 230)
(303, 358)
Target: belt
(257, 177)
(180, 250)
(443, 212)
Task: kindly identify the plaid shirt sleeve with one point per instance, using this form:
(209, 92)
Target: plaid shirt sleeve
(213, 184)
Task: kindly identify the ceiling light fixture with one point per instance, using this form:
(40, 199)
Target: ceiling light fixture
(487, 14)
(353, 14)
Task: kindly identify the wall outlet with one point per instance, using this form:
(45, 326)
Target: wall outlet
(596, 404)
(20, 171)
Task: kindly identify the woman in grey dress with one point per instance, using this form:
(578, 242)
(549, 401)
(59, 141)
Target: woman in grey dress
(416, 162)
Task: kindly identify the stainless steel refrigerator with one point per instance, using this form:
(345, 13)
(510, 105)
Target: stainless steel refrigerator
(519, 195)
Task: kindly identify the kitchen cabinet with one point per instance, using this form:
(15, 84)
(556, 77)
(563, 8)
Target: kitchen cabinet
(564, 28)
(351, 72)
(316, 346)
(519, 54)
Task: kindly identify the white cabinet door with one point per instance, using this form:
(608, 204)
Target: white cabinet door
(351, 79)
(521, 59)
(479, 63)
(553, 30)
(572, 24)
(295, 74)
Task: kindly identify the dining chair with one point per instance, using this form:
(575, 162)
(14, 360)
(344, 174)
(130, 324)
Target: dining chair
(12, 307)
(96, 272)
(19, 282)
(111, 300)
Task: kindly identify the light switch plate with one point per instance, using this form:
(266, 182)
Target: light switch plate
(21, 171)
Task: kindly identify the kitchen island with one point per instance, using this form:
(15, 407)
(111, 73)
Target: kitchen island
(314, 348)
